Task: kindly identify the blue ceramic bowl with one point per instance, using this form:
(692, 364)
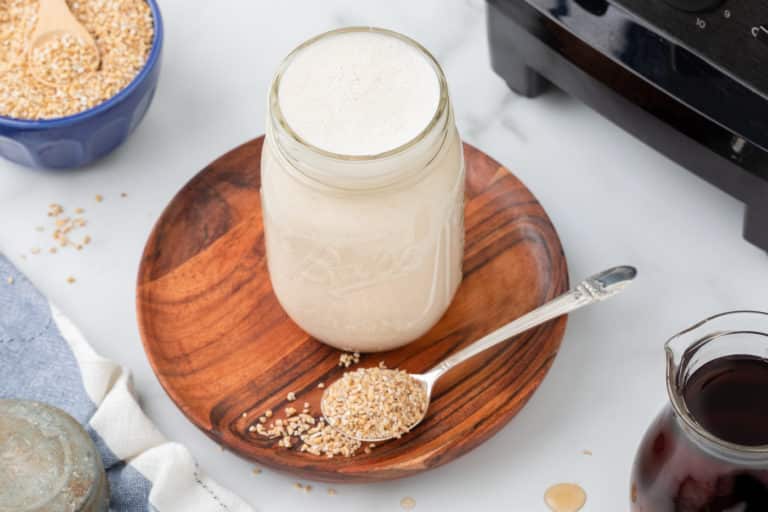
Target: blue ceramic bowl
(78, 140)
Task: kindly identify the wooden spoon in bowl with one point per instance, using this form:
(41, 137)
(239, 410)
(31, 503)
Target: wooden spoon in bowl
(54, 19)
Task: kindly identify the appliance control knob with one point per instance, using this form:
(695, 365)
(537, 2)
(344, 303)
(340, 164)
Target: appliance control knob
(694, 5)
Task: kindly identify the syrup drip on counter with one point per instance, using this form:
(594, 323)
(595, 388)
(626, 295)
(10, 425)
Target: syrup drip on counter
(565, 498)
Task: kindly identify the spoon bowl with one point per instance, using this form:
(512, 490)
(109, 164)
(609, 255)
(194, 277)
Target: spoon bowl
(594, 289)
(54, 20)
(426, 382)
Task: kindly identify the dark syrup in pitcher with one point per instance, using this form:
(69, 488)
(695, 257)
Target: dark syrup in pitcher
(728, 397)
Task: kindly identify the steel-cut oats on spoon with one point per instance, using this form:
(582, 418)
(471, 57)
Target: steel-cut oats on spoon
(377, 404)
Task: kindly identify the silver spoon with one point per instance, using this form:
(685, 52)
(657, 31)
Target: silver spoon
(594, 289)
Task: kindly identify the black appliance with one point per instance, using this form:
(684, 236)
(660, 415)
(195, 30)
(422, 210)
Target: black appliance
(688, 77)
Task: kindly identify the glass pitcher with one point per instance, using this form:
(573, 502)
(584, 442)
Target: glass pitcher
(708, 449)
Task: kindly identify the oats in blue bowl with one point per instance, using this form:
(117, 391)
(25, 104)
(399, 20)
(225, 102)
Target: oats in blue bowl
(57, 113)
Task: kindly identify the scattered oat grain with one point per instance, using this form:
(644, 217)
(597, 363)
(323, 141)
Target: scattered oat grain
(55, 209)
(99, 198)
(9, 280)
(35, 250)
(256, 471)
(65, 226)
(79, 210)
(291, 396)
(586, 452)
(70, 279)
(306, 433)
(331, 491)
(321, 385)
(347, 359)
(407, 503)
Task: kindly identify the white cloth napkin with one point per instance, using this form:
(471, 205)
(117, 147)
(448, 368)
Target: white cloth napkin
(44, 357)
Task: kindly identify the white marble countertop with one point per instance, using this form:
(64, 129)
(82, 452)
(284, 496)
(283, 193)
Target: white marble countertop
(612, 199)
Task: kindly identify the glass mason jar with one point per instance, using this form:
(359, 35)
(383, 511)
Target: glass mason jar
(364, 251)
(684, 465)
(48, 462)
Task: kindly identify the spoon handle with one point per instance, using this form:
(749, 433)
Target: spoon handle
(594, 289)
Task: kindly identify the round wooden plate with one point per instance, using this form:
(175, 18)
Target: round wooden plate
(225, 351)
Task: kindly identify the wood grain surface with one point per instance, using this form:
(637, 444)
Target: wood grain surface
(225, 351)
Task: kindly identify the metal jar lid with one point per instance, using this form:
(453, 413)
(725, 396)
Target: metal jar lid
(48, 462)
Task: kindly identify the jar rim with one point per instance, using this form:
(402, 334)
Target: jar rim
(676, 371)
(278, 118)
